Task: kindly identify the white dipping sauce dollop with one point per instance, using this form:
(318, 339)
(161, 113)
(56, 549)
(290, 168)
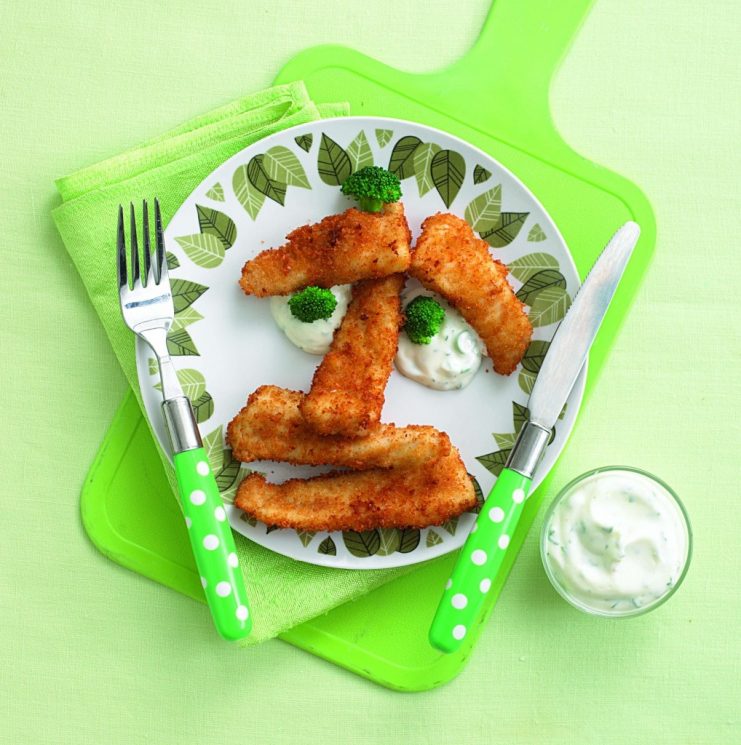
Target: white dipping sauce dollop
(314, 337)
(452, 357)
(616, 542)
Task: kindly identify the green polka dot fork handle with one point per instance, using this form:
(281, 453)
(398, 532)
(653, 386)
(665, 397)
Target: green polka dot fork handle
(464, 600)
(147, 309)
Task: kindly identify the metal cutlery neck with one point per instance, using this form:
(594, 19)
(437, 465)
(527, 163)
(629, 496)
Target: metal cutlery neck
(528, 449)
(181, 424)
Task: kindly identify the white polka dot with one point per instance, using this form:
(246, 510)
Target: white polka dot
(459, 600)
(202, 467)
(518, 496)
(459, 631)
(223, 589)
(484, 585)
(232, 559)
(211, 542)
(478, 557)
(198, 497)
(448, 584)
(188, 522)
(242, 612)
(203, 582)
(503, 541)
(496, 515)
(220, 514)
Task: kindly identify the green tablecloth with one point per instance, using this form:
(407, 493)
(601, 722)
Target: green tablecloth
(91, 653)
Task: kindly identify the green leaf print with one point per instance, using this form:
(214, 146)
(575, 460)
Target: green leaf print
(530, 264)
(247, 195)
(304, 141)
(536, 234)
(505, 441)
(152, 366)
(185, 318)
(534, 355)
(433, 539)
(480, 174)
(305, 536)
(506, 229)
(402, 156)
(409, 539)
(216, 223)
(390, 541)
(526, 381)
(549, 306)
(494, 462)
(193, 383)
(477, 491)
(383, 137)
(248, 519)
(451, 525)
(359, 152)
(520, 414)
(538, 282)
(172, 261)
(259, 178)
(327, 547)
(185, 293)
(448, 170)
(423, 156)
(283, 166)
(482, 213)
(362, 544)
(229, 471)
(213, 444)
(203, 407)
(179, 344)
(216, 192)
(333, 163)
(203, 249)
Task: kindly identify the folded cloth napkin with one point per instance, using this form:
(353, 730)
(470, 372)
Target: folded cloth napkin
(283, 592)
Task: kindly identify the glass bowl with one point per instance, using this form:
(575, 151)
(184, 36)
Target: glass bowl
(560, 584)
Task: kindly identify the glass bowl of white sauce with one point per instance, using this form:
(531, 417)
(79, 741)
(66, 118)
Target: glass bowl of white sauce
(616, 542)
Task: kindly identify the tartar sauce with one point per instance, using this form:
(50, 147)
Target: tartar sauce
(616, 542)
(450, 360)
(315, 337)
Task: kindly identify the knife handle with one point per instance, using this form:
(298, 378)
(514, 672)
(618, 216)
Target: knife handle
(213, 544)
(479, 561)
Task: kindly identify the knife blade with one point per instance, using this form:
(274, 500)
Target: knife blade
(463, 604)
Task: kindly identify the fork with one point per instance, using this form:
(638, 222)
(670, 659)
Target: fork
(147, 309)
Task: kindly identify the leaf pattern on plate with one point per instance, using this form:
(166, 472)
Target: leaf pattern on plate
(180, 344)
(390, 541)
(549, 306)
(536, 234)
(448, 170)
(359, 152)
(433, 538)
(362, 544)
(539, 281)
(423, 155)
(304, 141)
(185, 293)
(172, 261)
(451, 525)
(203, 249)
(247, 195)
(185, 318)
(524, 267)
(505, 230)
(383, 137)
(281, 165)
(152, 366)
(408, 540)
(494, 462)
(216, 192)
(402, 156)
(305, 536)
(480, 174)
(327, 547)
(482, 213)
(217, 223)
(203, 407)
(526, 381)
(258, 176)
(534, 355)
(213, 444)
(333, 163)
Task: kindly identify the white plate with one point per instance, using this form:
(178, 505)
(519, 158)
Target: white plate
(228, 345)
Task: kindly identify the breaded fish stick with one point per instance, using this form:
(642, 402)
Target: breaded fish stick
(398, 498)
(347, 392)
(453, 262)
(270, 427)
(338, 250)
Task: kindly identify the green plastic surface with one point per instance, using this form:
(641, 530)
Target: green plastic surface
(496, 97)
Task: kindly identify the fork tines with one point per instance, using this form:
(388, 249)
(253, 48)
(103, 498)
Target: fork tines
(153, 271)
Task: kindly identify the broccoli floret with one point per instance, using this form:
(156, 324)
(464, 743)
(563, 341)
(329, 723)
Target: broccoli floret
(424, 318)
(312, 303)
(373, 187)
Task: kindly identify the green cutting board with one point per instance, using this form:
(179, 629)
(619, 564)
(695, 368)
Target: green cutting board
(496, 97)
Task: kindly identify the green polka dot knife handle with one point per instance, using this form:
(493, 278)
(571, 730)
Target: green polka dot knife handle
(462, 604)
(213, 544)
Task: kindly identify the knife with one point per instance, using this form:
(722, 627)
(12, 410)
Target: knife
(462, 605)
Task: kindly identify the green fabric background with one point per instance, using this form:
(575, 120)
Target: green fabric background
(91, 653)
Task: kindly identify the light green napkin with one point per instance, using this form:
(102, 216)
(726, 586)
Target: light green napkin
(283, 592)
